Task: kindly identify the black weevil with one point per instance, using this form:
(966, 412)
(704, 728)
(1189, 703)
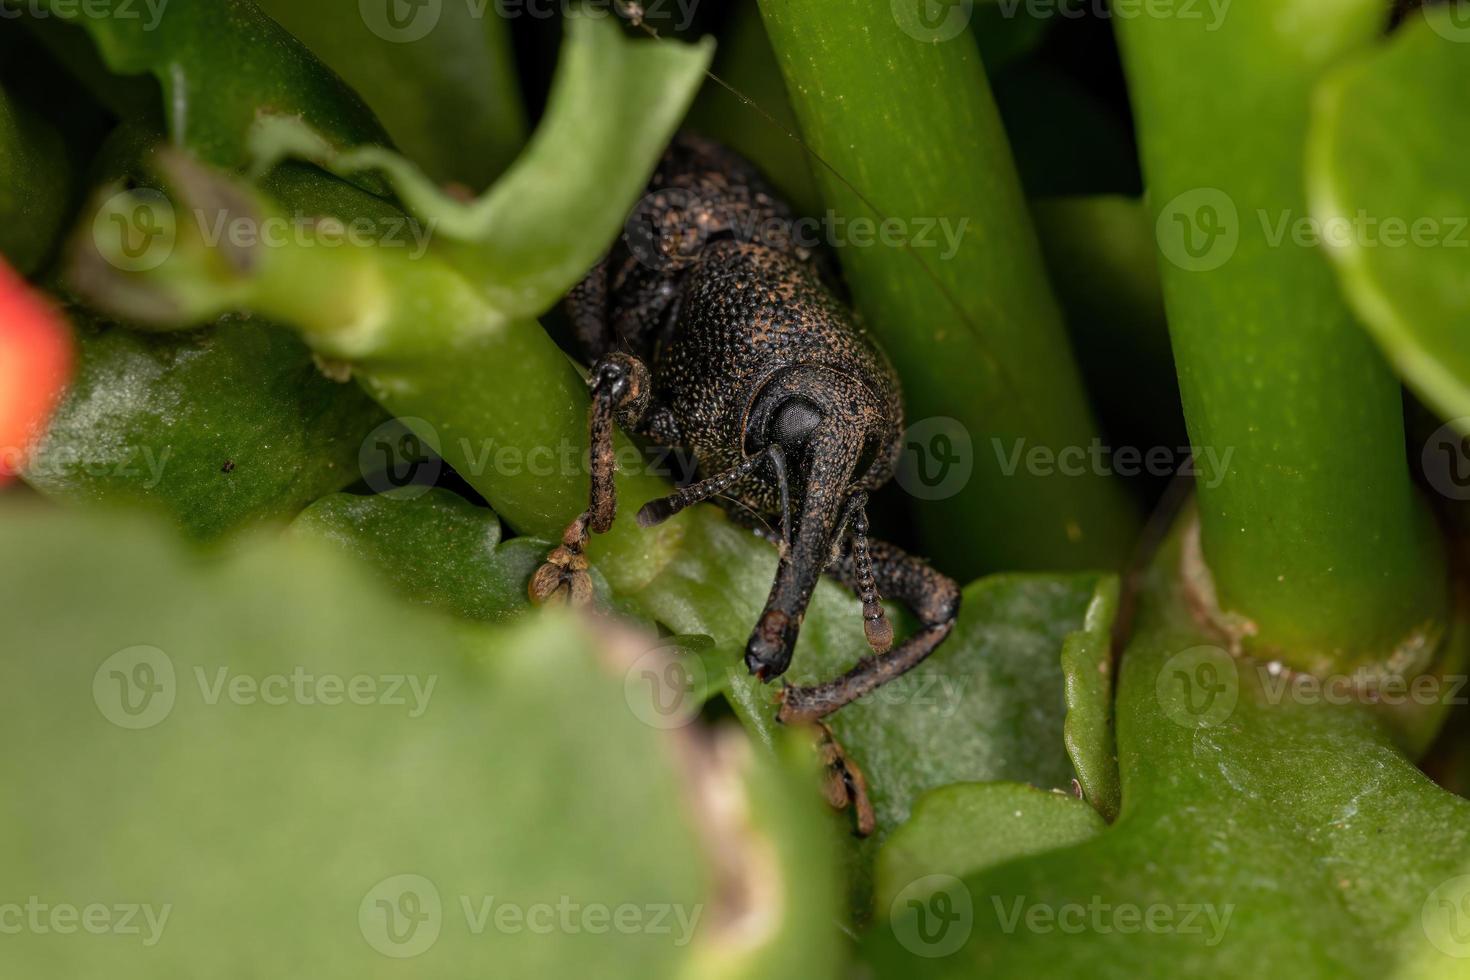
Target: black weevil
(710, 328)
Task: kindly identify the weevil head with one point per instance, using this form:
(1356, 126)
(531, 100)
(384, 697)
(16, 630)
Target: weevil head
(793, 405)
(833, 432)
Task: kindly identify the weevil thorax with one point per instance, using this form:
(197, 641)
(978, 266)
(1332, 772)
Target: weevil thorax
(756, 346)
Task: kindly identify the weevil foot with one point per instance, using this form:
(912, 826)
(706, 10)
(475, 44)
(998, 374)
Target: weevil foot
(564, 578)
(845, 786)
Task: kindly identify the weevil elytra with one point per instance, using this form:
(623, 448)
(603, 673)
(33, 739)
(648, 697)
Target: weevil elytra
(729, 344)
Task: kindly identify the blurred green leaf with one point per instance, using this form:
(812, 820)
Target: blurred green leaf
(35, 185)
(1266, 829)
(1006, 30)
(1103, 259)
(434, 547)
(963, 828)
(1067, 139)
(443, 83)
(281, 759)
(1390, 191)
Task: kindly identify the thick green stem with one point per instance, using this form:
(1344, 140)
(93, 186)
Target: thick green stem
(1319, 550)
(906, 116)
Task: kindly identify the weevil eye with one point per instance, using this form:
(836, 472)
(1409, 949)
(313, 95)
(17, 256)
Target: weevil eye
(793, 423)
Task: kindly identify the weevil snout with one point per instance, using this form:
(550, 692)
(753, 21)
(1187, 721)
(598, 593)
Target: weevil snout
(768, 653)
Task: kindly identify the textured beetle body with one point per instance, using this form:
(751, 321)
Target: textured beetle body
(709, 290)
(712, 328)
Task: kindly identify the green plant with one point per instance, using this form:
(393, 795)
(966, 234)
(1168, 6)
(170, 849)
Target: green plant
(1228, 731)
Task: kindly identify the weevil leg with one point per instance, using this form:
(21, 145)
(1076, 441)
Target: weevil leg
(876, 628)
(934, 599)
(658, 511)
(621, 386)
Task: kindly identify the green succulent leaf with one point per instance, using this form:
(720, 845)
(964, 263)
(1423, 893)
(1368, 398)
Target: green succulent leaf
(216, 428)
(1248, 804)
(370, 764)
(1391, 195)
(987, 705)
(961, 829)
(1087, 666)
(512, 241)
(434, 547)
